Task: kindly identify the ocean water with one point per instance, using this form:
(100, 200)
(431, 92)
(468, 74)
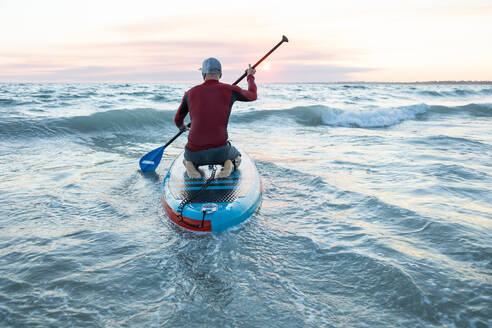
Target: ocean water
(376, 211)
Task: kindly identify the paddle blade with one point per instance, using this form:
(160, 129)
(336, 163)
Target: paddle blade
(151, 160)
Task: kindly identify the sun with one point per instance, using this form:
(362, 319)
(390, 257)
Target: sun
(266, 67)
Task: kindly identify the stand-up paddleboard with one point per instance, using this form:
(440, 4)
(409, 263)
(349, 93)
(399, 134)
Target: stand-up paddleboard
(209, 203)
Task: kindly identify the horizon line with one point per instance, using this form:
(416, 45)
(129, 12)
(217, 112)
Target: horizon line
(277, 82)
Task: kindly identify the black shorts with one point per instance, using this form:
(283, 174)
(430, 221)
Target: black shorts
(212, 156)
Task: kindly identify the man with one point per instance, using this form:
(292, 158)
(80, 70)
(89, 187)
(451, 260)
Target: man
(209, 105)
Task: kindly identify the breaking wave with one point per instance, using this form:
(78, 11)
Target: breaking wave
(128, 120)
(108, 121)
(364, 118)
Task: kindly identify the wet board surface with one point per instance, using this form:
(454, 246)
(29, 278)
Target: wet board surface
(234, 198)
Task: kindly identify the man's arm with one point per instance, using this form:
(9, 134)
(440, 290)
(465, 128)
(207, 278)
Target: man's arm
(182, 112)
(245, 95)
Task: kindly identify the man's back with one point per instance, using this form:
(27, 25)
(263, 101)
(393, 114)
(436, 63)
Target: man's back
(209, 105)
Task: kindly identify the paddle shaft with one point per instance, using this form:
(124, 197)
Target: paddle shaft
(150, 161)
(284, 39)
(175, 137)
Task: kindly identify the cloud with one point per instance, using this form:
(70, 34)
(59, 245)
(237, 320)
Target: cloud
(169, 48)
(148, 60)
(280, 73)
(312, 73)
(407, 40)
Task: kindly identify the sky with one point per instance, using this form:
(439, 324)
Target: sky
(166, 41)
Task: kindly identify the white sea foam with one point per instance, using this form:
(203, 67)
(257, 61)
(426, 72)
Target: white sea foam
(371, 118)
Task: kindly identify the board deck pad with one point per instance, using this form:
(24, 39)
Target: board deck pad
(218, 191)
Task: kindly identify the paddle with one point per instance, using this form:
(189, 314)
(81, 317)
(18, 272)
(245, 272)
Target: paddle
(284, 39)
(151, 160)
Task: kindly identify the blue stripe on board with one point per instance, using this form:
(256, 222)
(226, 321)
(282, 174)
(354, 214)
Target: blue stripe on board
(213, 182)
(209, 188)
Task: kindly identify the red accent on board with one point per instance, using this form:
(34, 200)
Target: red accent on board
(173, 215)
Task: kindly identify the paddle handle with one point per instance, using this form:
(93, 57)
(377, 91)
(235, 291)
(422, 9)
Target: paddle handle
(284, 39)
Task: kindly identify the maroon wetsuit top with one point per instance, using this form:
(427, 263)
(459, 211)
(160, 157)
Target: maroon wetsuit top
(209, 105)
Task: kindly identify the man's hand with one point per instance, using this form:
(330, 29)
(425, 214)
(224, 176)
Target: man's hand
(251, 70)
(183, 128)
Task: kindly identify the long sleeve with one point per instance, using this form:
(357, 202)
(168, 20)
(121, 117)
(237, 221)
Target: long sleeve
(245, 95)
(182, 112)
